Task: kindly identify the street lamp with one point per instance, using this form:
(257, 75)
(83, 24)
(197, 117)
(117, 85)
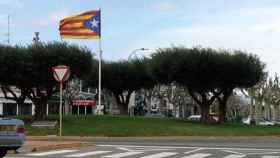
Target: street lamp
(36, 39)
(131, 110)
(135, 51)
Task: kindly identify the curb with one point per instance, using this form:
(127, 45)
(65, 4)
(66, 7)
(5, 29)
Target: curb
(57, 146)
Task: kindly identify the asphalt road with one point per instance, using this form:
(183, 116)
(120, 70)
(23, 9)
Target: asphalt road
(174, 148)
(252, 142)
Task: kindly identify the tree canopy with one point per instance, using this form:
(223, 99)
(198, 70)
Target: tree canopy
(208, 74)
(30, 68)
(122, 78)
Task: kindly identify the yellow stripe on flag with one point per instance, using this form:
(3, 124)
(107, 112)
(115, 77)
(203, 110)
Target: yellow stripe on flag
(80, 24)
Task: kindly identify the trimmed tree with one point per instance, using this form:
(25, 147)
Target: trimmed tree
(239, 70)
(11, 69)
(33, 74)
(122, 78)
(208, 74)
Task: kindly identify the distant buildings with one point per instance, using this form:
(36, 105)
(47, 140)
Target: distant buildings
(9, 107)
(84, 105)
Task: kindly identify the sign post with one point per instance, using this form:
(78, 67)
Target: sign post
(61, 73)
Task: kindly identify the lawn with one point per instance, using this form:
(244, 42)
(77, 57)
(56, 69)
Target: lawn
(142, 126)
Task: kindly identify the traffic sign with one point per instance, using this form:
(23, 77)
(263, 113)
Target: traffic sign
(61, 73)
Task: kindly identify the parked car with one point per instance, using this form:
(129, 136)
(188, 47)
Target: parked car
(276, 122)
(198, 117)
(12, 135)
(194, 118)
(266, 123)
(262, 121)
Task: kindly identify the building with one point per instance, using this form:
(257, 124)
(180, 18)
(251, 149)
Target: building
(9, 107)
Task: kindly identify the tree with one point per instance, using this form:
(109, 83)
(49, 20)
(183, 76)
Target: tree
(31, 71)
(238, 70)
(11, 67)
(71, 90)
(208, 74)
(264, 96)
(122, 78)
(257, 95)
(274, 95)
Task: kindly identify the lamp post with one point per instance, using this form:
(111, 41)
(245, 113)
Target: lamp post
(173, 100)
(36, 38)
(135, 51)
(132, 97)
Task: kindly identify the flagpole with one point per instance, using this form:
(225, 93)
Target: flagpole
(99, 76)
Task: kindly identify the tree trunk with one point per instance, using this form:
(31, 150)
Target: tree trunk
(149, 100)
(20, 103)
(205, 116)
(122, 102)
(223, 104)
(222, 112)
(40, 108)
(252, 106)
(123, 109)
(259, 111)
(204, 104)
(67, 106)
(181, 115)
(184, 106)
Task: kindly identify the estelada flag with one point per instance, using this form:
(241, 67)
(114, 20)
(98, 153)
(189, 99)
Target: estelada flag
(83, 26)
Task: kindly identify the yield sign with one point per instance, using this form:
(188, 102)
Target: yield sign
(61, 73)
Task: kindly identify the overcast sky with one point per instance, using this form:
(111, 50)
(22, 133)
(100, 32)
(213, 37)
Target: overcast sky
(249, 25)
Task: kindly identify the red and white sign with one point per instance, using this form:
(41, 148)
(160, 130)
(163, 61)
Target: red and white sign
(61, 73)
(82, 102)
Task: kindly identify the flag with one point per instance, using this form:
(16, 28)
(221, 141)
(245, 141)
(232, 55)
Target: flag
(83, 26)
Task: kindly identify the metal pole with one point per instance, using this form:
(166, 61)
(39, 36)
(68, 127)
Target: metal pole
(8, 29)
(81, 87)
(99, 85)
(47, 109)
(78, 110)
(17, 110)
(60, 111)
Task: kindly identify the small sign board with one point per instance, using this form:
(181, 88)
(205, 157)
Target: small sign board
(82, 102)
(61, 73)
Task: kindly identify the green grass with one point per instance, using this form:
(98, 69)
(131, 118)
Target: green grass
(141, 126)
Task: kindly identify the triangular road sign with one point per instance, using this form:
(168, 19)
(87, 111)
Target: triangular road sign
(61, 73)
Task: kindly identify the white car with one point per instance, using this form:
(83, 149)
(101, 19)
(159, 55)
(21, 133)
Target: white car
(263, 122)
(276, 122)
(11, 135)
(194, 118)
(266, 123)
(198, 117)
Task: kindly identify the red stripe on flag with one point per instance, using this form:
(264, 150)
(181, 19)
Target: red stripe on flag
(71, 22)
(72, 28)
(93, 13)
(90, 13)
(79, 34)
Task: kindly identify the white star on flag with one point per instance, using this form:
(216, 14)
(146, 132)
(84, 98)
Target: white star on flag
(94, 23)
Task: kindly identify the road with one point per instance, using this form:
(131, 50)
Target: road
(169, 148)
